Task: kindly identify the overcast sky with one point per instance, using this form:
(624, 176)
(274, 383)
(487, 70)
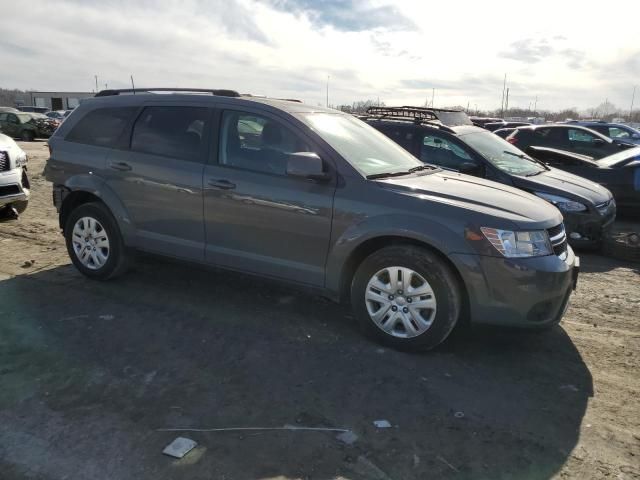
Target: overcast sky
(568, 53)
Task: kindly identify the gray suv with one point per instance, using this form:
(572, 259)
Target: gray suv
(307, 195)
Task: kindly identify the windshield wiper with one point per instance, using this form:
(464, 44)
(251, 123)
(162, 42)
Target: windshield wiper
(400, 173)
(525, 157)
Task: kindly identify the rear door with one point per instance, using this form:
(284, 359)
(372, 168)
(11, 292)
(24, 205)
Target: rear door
(159, 177)
(257, 218)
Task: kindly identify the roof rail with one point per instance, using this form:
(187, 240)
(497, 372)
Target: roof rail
(217, 92)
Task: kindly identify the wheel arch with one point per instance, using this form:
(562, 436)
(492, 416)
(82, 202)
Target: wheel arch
(371, 245)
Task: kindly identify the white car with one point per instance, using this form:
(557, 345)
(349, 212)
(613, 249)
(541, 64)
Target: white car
(14, 183)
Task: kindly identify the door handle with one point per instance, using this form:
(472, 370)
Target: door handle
(122, 166)
(221, 184)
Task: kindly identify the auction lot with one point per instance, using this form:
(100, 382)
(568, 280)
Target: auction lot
(91, 371)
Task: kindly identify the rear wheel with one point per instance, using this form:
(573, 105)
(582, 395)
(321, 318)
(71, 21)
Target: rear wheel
(406, 297)
(27, 136)
(94, 242)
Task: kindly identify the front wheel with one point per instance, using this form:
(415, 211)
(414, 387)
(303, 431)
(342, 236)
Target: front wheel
(406, 297)
(94, 242)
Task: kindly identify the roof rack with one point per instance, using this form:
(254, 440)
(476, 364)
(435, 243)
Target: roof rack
(413, 113)
(217, 92)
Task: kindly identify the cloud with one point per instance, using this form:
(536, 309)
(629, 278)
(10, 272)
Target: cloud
(528, 50)
(347, 15)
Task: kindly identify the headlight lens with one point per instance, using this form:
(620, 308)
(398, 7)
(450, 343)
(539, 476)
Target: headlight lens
(518, 244)
(564, 204)
(21, 161)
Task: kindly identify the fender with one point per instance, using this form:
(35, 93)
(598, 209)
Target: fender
(446, 238)
(98, 187)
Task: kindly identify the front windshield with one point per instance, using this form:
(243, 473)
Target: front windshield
(369, 151)
(619, 157)
(24, 117)
(502, 154)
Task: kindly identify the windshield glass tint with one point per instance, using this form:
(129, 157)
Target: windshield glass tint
(501, 153)
(620, 157)
(369, 151)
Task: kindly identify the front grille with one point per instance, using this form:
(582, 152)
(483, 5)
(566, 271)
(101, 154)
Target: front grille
(6, 190)
(558, 239)
(4, 162)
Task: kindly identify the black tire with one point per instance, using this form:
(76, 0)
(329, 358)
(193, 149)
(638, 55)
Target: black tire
(27, 135)
(20, 206)
(118, 258)
(445, 286)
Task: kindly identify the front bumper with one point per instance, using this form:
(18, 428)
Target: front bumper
(12, 188)
(591, 226)
(522, 292)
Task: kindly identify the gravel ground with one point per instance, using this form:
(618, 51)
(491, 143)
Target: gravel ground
(90, 371)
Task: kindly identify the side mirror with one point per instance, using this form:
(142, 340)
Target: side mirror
(306, 165)
(471, 168)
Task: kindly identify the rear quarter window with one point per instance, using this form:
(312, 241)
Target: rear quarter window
(102, 127)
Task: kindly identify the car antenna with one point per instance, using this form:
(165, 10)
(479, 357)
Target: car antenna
(133, 87)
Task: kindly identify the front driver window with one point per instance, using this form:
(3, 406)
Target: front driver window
(615, 132)
(580, 136)
(257, 143)
(439, 151)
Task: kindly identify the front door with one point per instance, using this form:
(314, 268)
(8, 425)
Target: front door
(257, 218)
(159, 179)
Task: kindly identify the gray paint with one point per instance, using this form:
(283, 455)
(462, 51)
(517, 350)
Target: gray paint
(306, 231)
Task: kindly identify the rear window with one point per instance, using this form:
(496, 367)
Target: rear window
(175, 132)
(102, 127)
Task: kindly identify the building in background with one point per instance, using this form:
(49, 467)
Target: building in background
(52, 100)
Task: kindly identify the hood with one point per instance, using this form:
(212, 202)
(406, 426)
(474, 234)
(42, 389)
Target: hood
(559, 182)
(479, 195)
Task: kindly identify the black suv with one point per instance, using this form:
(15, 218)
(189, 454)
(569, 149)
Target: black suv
(307, 195)
(572, 138)
(588, 208)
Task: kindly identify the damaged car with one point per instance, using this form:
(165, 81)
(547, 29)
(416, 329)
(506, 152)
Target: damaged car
(14, 182)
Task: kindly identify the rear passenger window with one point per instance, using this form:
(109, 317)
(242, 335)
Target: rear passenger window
(175, 132)
(102, 127)
(257, 143)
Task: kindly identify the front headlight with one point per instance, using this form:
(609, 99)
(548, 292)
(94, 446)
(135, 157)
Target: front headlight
(564, 204)
(21, 161)
(518, 244)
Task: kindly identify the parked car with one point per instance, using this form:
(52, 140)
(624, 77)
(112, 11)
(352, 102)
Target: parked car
(619, 172)
(31, 109)
(46, 125)
(615, 131)
(572, 138)
(318, 199)
(19, 125)
(588, 208)
(482, 121)
(14, 182)
(56, 114)
(9, 109)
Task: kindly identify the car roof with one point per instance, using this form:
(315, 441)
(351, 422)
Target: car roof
(287, 105)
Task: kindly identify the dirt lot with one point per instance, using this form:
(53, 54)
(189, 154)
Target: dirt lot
(90, 371)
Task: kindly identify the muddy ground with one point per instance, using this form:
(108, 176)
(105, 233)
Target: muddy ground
(90, 371)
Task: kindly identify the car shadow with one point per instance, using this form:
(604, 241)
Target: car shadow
(91, 371)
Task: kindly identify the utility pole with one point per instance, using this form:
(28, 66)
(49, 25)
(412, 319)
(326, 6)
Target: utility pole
(433, 94)
(535, 105)
(328, 76)
(633, 97)
(133, 85)
(504, 86)
(96, 77)
(467, 107)
(506, 103)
